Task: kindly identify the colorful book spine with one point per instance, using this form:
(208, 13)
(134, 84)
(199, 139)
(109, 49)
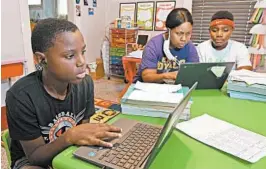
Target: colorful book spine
(258, 62)
(259, 16)
(257, 41)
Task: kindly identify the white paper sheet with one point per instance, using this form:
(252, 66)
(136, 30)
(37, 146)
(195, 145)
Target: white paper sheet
(136, 54)
(227, 137)
(247, 76)
(157, 88)
(165, 97)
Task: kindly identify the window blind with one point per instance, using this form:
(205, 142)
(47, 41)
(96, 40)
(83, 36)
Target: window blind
(202, 11)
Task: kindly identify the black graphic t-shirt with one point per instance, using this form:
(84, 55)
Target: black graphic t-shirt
(32, 112)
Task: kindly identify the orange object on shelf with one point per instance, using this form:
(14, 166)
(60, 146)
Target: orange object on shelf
(99, 72)
(122, 31)
(11, 70)
(4, 125)
(129, 65)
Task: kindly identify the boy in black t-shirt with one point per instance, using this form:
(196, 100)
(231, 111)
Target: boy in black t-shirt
(49, 110)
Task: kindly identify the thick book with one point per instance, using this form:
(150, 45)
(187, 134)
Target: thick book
(152, 109)
(153, 113)
(243, 87)
(126, 98)
(246, 96)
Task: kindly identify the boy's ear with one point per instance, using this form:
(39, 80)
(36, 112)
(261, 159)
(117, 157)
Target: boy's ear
(40, 57)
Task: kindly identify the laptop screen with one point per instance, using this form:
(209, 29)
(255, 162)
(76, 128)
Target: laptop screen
(169, 125)
(209, 75)
(142, 39)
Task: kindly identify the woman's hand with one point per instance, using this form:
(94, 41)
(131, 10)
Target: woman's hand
(170, 75)
(92, 134)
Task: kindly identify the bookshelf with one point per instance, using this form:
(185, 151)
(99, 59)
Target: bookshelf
(119, 40)
(257, 48)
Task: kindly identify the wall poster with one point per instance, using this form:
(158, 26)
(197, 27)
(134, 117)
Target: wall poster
(145, 13)
(163, 8)
(128, 10)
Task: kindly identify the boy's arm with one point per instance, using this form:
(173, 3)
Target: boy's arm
(151, 75)
(41, 154)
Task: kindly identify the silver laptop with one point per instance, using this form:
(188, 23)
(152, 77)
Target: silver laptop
(138, 146)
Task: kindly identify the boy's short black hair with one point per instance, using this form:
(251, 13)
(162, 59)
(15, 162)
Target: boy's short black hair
(46, 30)
(223, 15)
(177, 17)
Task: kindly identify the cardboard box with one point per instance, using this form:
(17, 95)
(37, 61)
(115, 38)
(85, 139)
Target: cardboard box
(99, 72)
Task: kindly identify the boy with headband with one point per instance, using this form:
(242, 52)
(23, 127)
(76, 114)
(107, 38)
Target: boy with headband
(220, 48)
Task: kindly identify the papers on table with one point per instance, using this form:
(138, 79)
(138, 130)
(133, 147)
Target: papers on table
(141, 95)
(155, 100)
(248, 85)
(136, 54)
(153, 92)
(227, 137)
(247, 76)
(157, 88)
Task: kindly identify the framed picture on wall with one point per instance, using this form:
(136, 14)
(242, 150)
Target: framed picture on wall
(128, 10)
(145, 15)
(78, 12)
(163, 8)
(38, 4)
(85, 2)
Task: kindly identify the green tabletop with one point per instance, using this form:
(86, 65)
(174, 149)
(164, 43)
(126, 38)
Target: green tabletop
(181, 151)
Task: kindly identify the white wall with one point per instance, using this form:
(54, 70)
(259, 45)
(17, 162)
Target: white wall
(12, 38)
(91, 26)
(15, 31)
(94, 27)
(48, 10)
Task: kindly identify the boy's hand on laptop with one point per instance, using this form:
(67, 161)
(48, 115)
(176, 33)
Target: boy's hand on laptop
(92, 134)
(170, 75)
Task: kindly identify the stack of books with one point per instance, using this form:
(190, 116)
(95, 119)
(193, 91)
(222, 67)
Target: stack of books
(154, 100)
(245, 84)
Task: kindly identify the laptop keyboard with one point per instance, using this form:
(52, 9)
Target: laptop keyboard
(132, 148)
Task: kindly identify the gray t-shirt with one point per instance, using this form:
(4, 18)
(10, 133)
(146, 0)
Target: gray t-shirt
(154, 57)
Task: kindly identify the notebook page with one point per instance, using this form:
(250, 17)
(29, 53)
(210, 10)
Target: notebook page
(153, 87)
(227, 137)
(203, 125)
(247, 76)
(156, 97)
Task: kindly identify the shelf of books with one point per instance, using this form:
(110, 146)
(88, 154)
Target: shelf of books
(257, 43)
